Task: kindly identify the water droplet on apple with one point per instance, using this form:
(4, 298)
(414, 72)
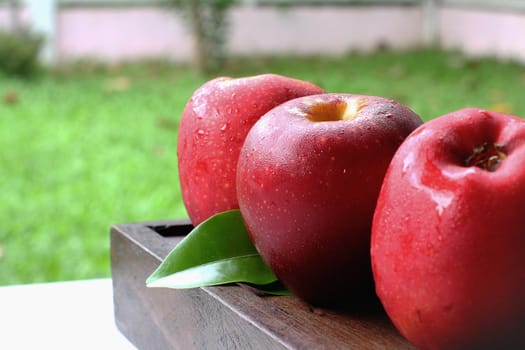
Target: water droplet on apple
(389, 115)
(408, 162)
(216, 113)
(201, 133)
(224, 127)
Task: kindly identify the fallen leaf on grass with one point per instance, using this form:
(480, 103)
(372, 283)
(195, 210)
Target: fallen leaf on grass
(10, 98)
(501, 107)
(117, 84)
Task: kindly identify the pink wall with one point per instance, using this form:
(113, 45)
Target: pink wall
(5, 17)
(120, 33)
(129, 33)
(331, 30)
(483, 32)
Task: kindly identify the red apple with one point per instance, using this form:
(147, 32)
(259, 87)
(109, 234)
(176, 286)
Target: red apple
(214, 124)
(308, 177)
(448, 240)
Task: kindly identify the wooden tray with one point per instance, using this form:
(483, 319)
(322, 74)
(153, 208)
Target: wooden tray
(223, 317)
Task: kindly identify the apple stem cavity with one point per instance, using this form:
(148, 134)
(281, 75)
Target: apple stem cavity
(487, 156)
(334, 110)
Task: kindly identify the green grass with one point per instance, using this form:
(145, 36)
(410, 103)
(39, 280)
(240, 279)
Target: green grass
(86, 148)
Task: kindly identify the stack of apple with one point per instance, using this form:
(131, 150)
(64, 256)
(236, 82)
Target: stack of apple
(343, 194)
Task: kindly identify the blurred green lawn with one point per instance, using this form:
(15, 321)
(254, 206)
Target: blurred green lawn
(86, 147)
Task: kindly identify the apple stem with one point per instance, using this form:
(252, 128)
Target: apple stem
(487, 156)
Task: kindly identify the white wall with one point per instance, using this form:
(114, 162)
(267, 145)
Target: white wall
(42, 18)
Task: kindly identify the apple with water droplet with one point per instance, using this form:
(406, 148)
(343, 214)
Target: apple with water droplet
(448, 237)
(213, 126)
(308, 177)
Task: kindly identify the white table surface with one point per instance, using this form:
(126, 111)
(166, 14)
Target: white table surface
(59, 315)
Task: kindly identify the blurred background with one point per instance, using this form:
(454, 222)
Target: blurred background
(91, 92)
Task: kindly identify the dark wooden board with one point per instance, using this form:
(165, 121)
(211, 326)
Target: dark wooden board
(224, 317)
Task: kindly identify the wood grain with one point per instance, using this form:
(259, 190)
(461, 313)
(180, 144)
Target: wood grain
(225, 317)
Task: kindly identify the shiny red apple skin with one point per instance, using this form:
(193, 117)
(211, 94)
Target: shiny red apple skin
(448, 238)
(307, 192)
(213, 126)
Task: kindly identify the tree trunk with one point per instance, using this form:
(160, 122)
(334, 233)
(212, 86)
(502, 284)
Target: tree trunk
(199, 36)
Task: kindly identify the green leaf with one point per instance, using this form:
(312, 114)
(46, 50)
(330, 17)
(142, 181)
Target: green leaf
(218, 251)
(274, 288)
